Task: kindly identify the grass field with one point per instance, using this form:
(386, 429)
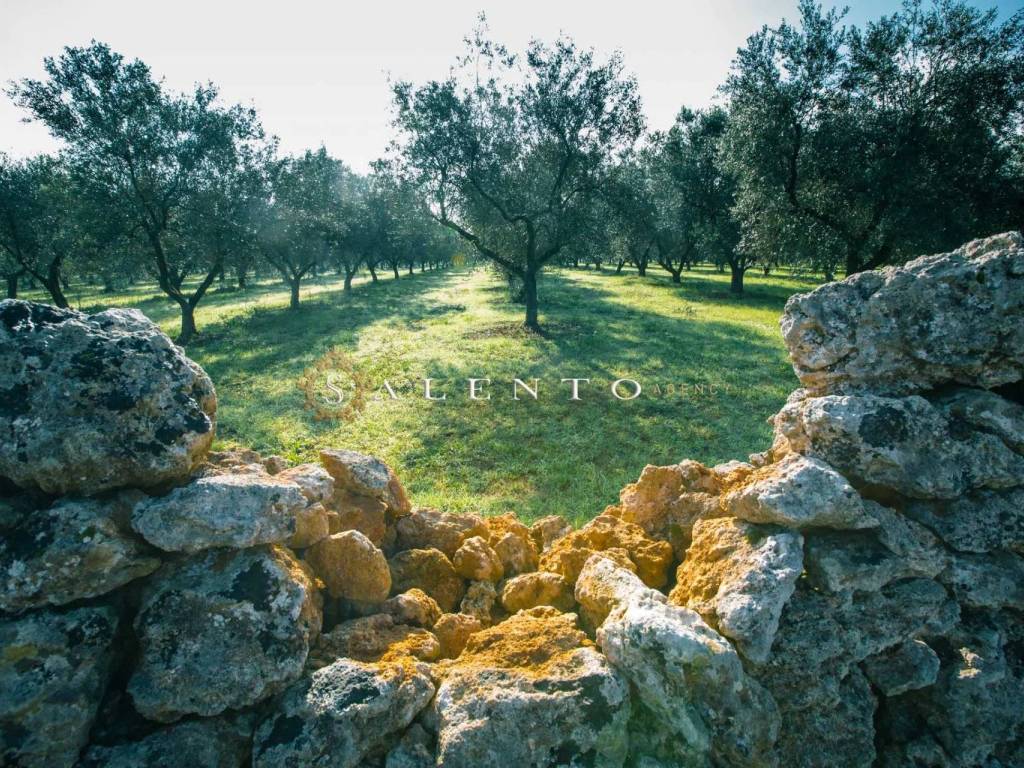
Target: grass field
(722, 355)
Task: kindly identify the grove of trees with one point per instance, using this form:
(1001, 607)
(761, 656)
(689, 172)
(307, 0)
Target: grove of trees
(830, 149)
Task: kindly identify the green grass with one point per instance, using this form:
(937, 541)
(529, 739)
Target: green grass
(533, 458)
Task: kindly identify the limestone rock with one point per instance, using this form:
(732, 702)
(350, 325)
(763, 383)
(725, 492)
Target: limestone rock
(365, 514)
(954, 317)
(429, 570)
(548, 530)
(798, 492)
(839, 735)
(54, 668)
(313, 480)
(311, 522)
(905, 445)
(569, 554)
(738, 576)
(222, 629)
(514, 544)
(366, 476)
(604, 585)
(415, 750)
(987, 581)
(230, 510)
(907, 667)
(687, 675)
(351, 567)
(867, 560)
(821, 636)
(216, 742)
(477, 561)
(479, 602)
(340, 714)
(374, 638)
(413, 607)
(453, 631)
(97, 402)
(531, 691)
(974, 704)
(529, 590)
(979, 522)
(430, 529)
(75, 549)
(666, 501)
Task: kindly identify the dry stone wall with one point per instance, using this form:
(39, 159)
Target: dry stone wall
(852, 596)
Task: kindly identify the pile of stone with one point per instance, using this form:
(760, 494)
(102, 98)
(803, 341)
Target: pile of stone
(851, 597)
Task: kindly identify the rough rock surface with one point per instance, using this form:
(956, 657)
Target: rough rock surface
(430, 571)
(229, 510)
(374, 638)
(531, 691)
(97, 402)
(903, 445)
(212, 742)
(366, 476)
(351, 567)
(430, 529)
(340, 714)
(529, 590)
(75, 549)
(688, 676)
(222, 630)
(476, 560)
(955, 317)
(54, 668)
(738, 576)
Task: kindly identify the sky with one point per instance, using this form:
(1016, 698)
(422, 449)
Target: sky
(318, 71)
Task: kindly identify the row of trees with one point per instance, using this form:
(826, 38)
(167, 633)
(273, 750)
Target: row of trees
(834, 148)
(183, 189)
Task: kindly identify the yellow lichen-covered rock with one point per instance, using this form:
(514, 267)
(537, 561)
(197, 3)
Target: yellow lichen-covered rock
(568, 555)
(311, 525)
(514, 544)
(738, 577)
(528, 590)
(432, 529)
(477, 561)
(526, 690)
(453, 631)
(429, 570)
(548, 530)
(374, 638)
(365, 514)
(351, 567)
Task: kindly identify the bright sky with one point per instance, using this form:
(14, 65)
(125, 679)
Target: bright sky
(317, 71)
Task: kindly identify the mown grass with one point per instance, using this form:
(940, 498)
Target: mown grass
(531, 457)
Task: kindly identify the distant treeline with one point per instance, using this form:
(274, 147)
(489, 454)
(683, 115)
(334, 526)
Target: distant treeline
(832, 149)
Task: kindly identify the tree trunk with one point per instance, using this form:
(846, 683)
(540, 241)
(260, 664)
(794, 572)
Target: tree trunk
(766, 269)
(294, 301)
(736, 283)
(830, 275)
(373, 273)
(12, 286)
(394, 268)
(530, 298)
(641, 269)
(348, 280)
(188, 323)
(53, 285)
(410, 268)
(241, 276)
(677, 275)
(423, 266)
(618, 268)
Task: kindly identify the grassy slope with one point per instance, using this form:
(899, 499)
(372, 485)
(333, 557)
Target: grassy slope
(535, 458)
